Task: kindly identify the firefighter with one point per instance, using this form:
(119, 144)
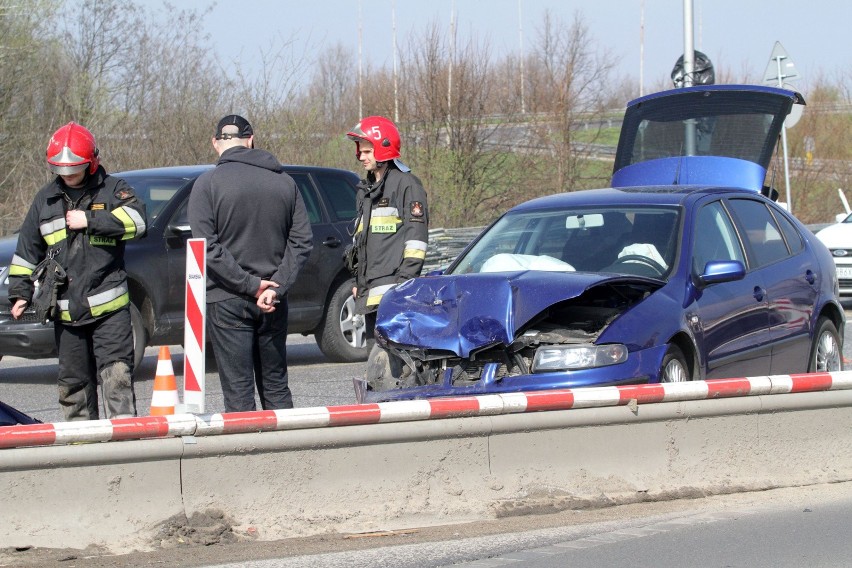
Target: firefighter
(392, 227)
(81, 220)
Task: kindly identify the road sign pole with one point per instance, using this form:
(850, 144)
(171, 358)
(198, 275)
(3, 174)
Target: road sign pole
(784, 139)
(779, 70)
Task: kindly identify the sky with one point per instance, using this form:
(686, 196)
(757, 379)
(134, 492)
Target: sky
(737, 35)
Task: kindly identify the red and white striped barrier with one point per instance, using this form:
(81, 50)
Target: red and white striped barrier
(194, 329)
(413, 410)
(60, 433)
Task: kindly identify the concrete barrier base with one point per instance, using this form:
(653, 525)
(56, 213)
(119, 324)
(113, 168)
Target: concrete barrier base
(396, 475)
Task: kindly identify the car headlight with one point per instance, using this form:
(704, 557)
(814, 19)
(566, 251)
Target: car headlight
(572, 357)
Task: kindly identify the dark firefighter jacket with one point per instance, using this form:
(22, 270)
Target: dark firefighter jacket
(93, 258)
(391, 235)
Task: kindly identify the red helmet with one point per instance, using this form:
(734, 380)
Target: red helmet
(382, 133)
(72, 149)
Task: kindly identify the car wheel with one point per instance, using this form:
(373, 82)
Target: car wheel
(342, 335)
(674, 368)
(825, 353)
(140, 339)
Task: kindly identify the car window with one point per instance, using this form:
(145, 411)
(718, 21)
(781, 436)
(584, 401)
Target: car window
(715, 238)
(791, 235)
(761, 231)
(155, 192)
(309, 196)
(628, 240)
(340, 194)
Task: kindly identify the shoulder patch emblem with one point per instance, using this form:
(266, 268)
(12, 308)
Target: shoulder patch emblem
(416, 209)
(124, 194)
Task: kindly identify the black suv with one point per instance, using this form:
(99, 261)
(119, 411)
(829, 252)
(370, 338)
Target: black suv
(320, 301)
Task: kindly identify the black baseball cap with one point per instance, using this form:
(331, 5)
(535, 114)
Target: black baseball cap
(243, 128)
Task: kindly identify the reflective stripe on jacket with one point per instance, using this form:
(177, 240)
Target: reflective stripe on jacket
(93, 258)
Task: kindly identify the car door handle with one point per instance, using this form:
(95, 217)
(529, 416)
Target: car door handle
(758, 293)
(331, 242)
(809, 276)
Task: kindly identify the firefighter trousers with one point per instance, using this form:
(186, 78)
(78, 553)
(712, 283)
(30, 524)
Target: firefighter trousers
(96, 354)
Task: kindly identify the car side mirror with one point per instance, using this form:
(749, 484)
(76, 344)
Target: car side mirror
(180, 230)
(717, 271)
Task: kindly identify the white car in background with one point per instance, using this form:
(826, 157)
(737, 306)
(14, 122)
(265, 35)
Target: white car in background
(838, 239)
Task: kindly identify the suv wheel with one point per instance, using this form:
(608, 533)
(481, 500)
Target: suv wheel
(342, 335)
(139, 337)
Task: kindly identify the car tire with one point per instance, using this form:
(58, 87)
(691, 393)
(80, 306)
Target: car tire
(674, 368)
(825, 351)
(140, 338)
(342, 334)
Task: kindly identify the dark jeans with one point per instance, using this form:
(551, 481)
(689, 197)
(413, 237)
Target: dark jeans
(251, 350)
(100, 352)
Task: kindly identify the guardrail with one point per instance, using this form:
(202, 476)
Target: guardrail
(138, 428)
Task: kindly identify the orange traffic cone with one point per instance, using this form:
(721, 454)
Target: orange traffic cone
(165, 396)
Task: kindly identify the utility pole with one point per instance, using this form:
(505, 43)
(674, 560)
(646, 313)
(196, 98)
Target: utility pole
(360, 66)
(642, 48)
(395, 71)
(521, 44)
(688, 70)
(450, 70)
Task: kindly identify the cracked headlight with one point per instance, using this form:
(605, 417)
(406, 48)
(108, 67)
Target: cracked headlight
(573, 357)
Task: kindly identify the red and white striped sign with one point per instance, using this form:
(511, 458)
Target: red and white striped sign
(193, 329)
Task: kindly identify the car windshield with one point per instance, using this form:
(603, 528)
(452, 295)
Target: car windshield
(625, 240)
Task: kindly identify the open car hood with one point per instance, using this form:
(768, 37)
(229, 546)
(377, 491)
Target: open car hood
(722, 135)
(462, 313)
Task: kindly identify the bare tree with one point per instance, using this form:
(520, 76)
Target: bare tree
(26, 97)
(453, 140)
(569, 80)
(97, 45)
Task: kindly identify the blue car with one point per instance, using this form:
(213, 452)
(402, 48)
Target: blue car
(684, 269)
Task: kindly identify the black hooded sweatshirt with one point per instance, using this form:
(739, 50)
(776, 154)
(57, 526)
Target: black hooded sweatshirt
(255, 222)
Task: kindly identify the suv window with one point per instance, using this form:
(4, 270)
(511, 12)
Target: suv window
(339, 192)
(309, 196)
(155, 192)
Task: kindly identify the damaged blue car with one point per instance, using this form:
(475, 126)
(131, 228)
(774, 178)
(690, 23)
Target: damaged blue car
(684, 269)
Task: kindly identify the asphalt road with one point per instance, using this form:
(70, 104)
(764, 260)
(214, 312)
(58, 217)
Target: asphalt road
(30, 385)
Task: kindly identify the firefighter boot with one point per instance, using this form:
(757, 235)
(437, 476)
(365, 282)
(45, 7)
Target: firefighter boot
(78, 399)
(117, 386)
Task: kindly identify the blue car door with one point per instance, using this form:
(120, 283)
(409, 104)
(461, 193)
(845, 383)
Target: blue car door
(731, 318)
(791, 278)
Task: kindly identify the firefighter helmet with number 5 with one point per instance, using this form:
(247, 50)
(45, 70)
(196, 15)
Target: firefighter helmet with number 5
(72, 149)
(382, 133)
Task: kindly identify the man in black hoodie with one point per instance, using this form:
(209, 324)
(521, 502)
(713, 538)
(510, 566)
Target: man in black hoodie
(258, 238)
